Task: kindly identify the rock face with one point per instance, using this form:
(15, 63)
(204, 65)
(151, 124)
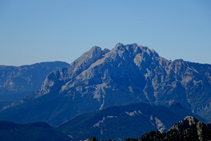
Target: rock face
(17, 82)
(126, 74)
(135, 73)
(187, 129)
(184, 124)
(121, 122)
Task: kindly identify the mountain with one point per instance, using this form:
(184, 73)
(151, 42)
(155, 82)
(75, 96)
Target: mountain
(39, 131)
(188, 129)
(18, 82)
(102, 78)
(121, 122)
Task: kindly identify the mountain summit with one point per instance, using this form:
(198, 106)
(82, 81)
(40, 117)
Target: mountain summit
(136, 72)
(123, 69)
(126, 74)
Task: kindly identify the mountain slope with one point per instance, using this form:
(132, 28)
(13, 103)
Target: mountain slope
(17, 82)
(187, 129)
(102, 78)
(135, 73)
(39, 131)
(120, 122)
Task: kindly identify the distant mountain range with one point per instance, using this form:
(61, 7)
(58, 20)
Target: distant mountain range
(18, 82)
(102, 78)
(121, 122)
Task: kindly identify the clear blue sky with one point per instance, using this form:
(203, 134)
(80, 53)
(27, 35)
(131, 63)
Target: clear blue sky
(33, 31)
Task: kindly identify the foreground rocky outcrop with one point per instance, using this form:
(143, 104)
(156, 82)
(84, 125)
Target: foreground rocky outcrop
(189, 129)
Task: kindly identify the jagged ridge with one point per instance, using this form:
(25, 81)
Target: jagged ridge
(125, 74)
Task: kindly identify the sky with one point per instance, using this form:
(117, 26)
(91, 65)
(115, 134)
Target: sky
(33, 31)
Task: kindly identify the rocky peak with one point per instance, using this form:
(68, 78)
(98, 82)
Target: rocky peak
(60, 77)
(118, 45)
(134, 49)
(184, 124)
(137, 53)
(191, 120)
(94, 52)
(192, 129)
(83, 68)
(105, 51)
(134, 71)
